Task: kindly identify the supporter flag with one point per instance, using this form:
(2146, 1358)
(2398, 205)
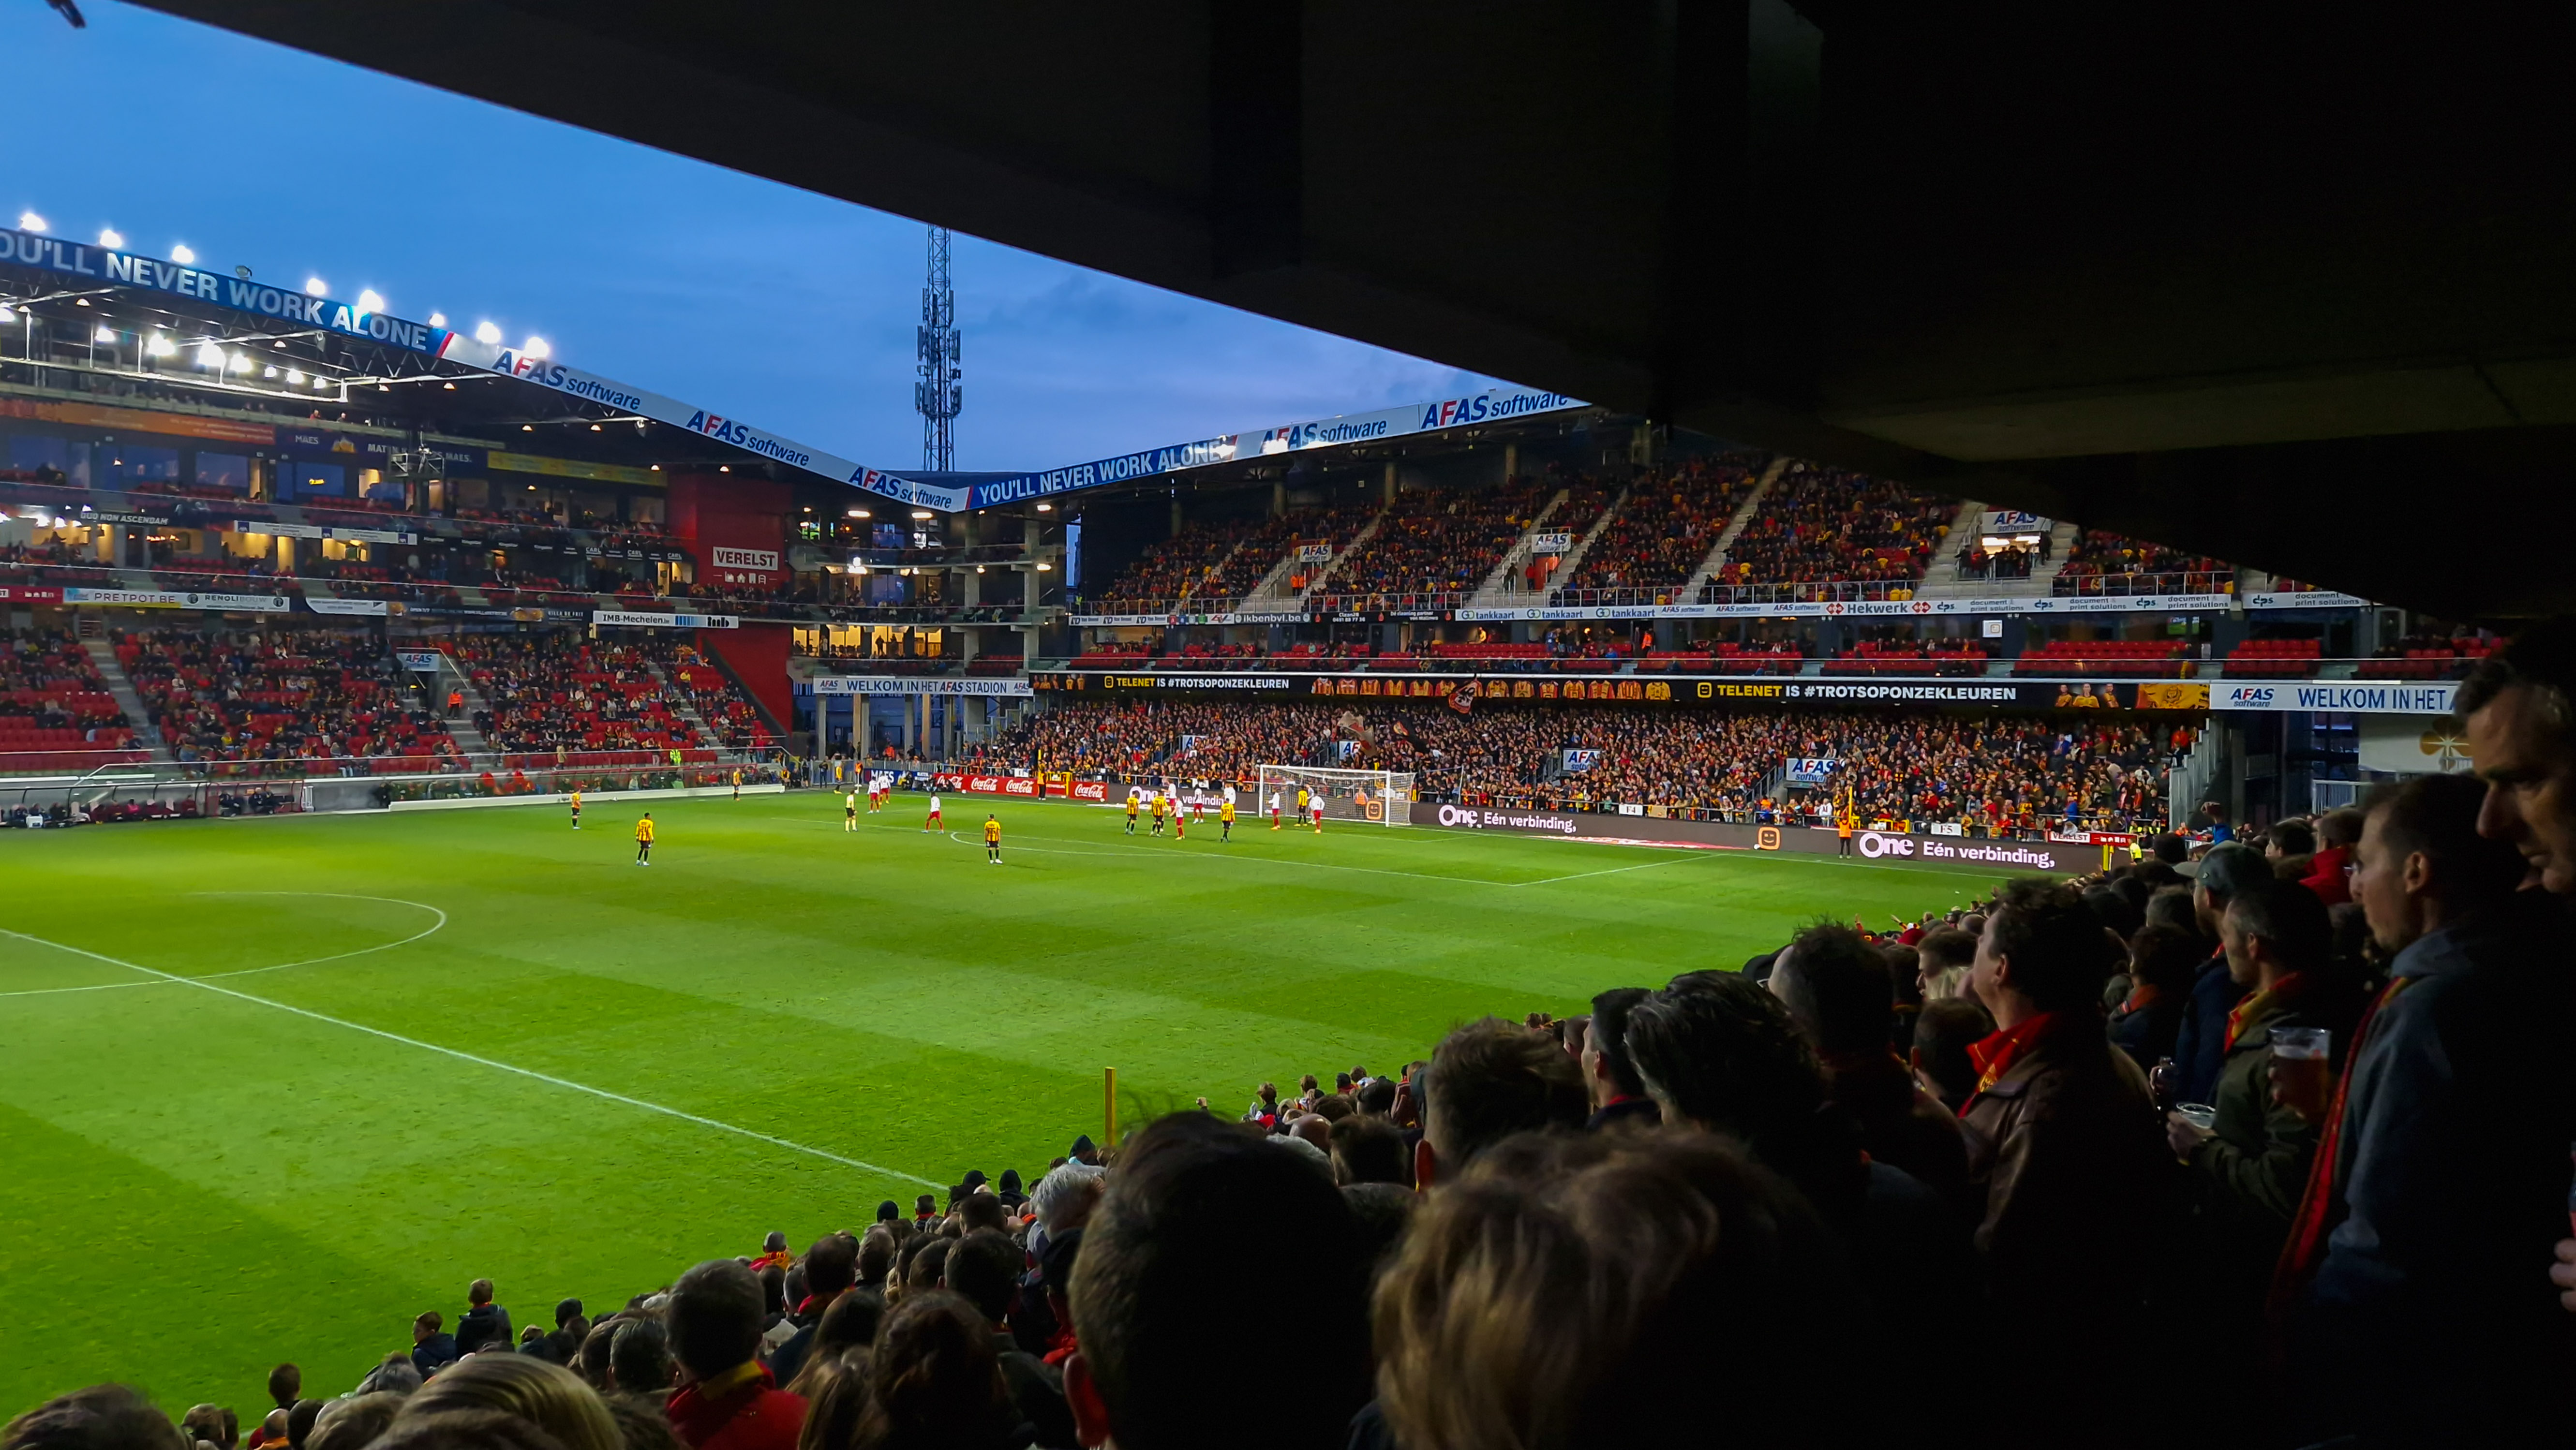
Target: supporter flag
(1463, 698)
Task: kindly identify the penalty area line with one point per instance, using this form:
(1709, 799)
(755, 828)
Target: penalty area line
(498, 1066)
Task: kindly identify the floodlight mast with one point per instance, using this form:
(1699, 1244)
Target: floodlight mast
(938, 396)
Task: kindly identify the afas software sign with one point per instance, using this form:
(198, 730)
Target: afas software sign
(1892, 847)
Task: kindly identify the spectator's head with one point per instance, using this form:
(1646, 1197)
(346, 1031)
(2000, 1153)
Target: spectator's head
(642, 1424)
(1572, 1291)
(2520, 704)
(1085, 1151)
(2339, 830)
(2271, 933)
(935, 1378)
(1836, 989)
(983, 1268)
(353, 1423)
(2114, 910)
(478, 1293)
(2423, 863)
(851, 1323)
(2170, 848)
(2228, 869)
(831, 1266)
(1065, 1198)
(395, 1374)
(982, 1210)
(1940, 1053)
(286, 1382)
(1489, 1080)
(272, 1428)
(1369, 1150)
(1376, 1097)
(1169, 1306)
(1009, 1182)
(2164, 958)
(547, 1396)
(299, 1421)
(568, 1310)
(924, 1271)
(889, 1212)
(596, 1362)
(714, 1318)
(876, 1257)
(465, 1430)
(1942, 961)
(2043, 951)
(1607, 1072)
(102, 1417)
(639, 1357)
(2289, 839)
(776, 1243)
(214, 1425)
(2171, 907)
(1721, 1054)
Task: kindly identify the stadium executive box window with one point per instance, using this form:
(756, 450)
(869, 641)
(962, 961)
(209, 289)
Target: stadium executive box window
(227, 471)
(308, 479)
(32, 451)
(138, 463)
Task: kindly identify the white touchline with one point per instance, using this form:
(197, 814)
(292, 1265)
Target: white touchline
(1607, 871)
(549, 1078)
(278, 967)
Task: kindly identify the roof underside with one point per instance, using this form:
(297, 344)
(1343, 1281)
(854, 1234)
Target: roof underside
(2280, 288)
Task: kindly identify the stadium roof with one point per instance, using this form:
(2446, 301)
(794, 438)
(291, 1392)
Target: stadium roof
(2271, 284)
(279, 348)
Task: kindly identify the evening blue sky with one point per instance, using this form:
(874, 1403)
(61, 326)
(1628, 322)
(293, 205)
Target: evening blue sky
(792, 311)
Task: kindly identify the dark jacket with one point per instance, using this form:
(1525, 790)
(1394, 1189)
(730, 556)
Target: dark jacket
(433, 1353)
(2200, 1045)
(2149, 1033)
(1037, 1392)
(2071, 1159)
(2449, 1190)
(483, 1324)
(1902, 1125)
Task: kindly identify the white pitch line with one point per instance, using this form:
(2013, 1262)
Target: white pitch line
(279, 967)
(548, 1078)
(1608, 871)
(1143, 852)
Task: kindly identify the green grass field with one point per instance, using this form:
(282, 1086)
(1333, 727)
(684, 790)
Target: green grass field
(270, 1088)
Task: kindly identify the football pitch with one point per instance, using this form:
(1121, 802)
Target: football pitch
(271, 1088)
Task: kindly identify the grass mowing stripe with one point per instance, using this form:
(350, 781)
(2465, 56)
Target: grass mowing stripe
(549, 1078)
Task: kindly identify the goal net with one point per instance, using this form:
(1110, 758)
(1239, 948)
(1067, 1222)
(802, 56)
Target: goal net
(1379, 797)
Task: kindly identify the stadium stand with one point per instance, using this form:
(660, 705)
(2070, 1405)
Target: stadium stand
(1436, 542)
(1172, 570)
(1998, 777)
(1820, 525)
(278, 701)
(556, 697)
(2273, 659)
(2105, 657)
(1670, 522)
(2106, 563)
(2428, 657)
(56, 712)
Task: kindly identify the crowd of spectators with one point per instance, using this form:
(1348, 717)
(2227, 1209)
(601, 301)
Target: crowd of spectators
(2282, 1119)
(1664, 531)
(55, 706)
(1177, 568)
(1820, 524)
(1990, 775)
(286, 697)
(2102, 562)
(558, 693)
(1436, 541)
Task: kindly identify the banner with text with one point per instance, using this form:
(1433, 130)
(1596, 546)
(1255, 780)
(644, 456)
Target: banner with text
(997, 686)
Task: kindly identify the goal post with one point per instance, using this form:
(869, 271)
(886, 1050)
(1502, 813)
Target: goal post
(1377, 797)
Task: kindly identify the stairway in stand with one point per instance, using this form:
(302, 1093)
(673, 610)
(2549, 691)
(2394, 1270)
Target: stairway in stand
(103, 655)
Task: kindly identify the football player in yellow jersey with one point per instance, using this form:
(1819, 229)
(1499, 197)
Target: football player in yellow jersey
(644, 840)
(576, 808)
(1158, 813)
(992, 839)
(1225, 820)
(1132, 803)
